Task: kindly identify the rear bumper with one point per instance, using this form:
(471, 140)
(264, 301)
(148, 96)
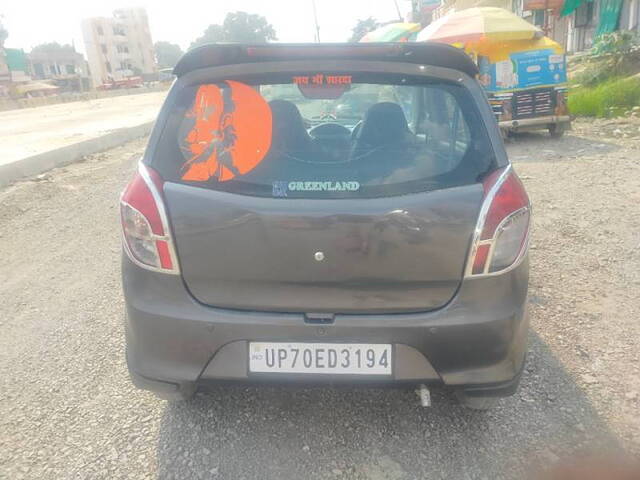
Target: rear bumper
(477, 341)
(536, 122)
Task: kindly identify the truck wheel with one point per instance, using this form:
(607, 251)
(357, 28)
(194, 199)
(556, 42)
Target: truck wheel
(556, 130)
(475, 402)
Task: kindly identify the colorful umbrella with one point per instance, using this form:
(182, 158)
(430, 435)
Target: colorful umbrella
(500, 51)
(392, 32)
(479, 24)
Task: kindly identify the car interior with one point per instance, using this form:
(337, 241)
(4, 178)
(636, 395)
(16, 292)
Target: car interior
(384, 125)
(378, 144)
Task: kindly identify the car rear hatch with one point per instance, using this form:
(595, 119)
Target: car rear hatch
(268, 215)
(323, 255)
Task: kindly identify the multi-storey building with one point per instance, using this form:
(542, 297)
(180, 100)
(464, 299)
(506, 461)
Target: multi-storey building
(119, 47)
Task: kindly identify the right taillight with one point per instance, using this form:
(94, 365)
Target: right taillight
(145, 228)
(502, 232)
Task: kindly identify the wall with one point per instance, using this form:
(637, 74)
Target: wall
(630, 15)
(580, 35)
(448, 5)
(92, 45)
(15, 104)
(56, 64)
(138, 37)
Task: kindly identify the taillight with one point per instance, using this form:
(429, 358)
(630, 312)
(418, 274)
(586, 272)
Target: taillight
(502, 232)
(145, 227)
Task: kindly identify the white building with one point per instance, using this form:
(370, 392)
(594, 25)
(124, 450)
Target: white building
(120, 46)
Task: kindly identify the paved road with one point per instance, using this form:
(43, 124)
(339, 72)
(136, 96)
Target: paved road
(68, 410)
(30, 131)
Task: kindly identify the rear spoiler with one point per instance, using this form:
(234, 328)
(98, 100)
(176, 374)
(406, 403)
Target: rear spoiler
(427, 53)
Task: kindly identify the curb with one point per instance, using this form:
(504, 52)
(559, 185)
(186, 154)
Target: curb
(29, 166)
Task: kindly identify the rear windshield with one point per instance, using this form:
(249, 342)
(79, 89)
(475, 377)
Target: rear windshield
(324, 135)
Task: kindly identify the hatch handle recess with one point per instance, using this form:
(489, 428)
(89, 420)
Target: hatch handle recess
(319, 318)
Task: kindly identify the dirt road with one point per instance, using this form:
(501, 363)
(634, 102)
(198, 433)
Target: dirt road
(68, 410)
(30, 131)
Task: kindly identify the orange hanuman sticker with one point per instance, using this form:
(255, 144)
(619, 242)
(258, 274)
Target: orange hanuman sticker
(229, 134)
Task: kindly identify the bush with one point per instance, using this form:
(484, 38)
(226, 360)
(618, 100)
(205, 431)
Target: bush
(608, 99)
(606, 67)
(615, 54)
(615, 43)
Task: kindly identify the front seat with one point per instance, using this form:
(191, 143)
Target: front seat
(290, 143)
(384, 125)
(289, 133)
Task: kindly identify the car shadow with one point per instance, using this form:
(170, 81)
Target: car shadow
(247, 432)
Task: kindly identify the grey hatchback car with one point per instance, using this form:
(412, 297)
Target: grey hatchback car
(337, 213)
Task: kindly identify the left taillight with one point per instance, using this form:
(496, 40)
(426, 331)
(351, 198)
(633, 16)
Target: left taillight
(145, 227)
(502, 232)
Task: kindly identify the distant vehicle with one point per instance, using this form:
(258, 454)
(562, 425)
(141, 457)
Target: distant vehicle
(262, 246)
(165, 75)
(526, 82)
(523, 71)
(128, 82)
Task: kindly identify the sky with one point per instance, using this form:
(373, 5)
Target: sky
(36, 21)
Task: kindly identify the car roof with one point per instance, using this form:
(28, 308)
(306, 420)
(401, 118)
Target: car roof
(424, 53)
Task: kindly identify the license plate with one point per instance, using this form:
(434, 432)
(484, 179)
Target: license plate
(332, 358)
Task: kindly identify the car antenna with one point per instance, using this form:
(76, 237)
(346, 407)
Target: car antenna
(315, 20)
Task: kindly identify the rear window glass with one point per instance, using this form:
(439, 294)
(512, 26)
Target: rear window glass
(324, 135)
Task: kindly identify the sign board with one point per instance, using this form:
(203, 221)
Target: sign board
(542, 4)
(523, 70)
(320, 86)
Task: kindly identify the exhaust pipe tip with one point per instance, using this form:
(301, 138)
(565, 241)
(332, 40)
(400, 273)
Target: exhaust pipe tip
(424, 395)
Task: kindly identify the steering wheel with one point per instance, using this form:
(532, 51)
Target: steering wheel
(329, 130)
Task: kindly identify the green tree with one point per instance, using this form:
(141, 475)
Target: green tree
(52, 47)
(238, 27)
(363, 27)
(4, 33)
(167, 54)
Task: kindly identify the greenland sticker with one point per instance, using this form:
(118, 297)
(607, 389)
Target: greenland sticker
(323, 186)
(281, 189)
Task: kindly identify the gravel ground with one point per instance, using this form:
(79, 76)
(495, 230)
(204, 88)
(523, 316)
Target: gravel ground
(68, 410)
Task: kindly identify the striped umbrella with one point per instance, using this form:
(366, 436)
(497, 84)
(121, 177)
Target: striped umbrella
(479, 24)
(392, 32)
